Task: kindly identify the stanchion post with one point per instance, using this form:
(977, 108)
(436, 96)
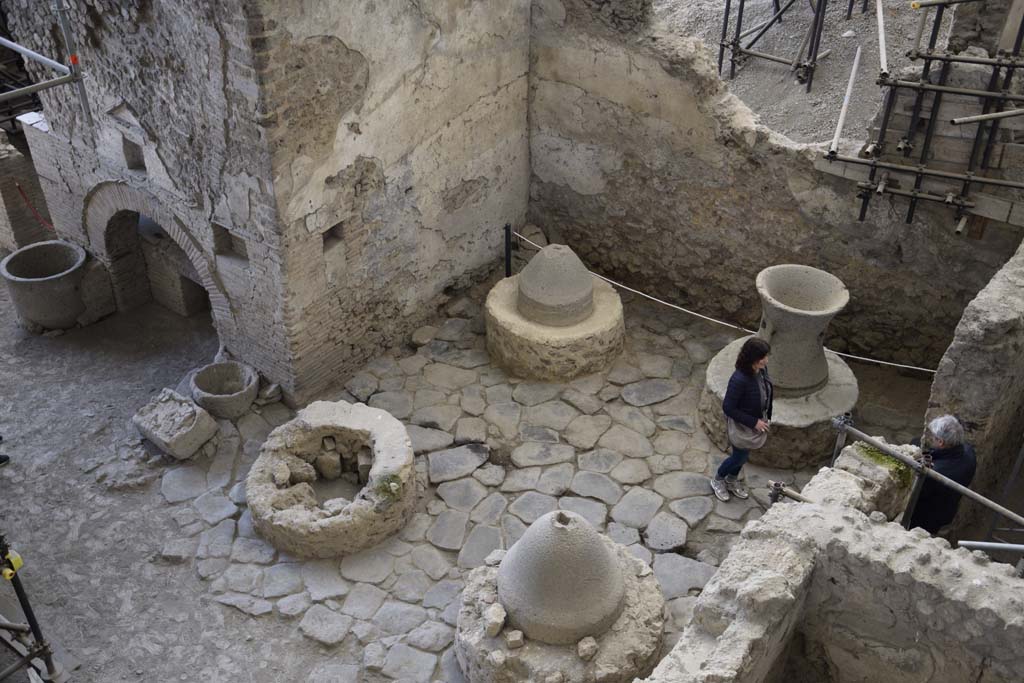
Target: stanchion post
(840, 423)
(508, 250)
(915, 494)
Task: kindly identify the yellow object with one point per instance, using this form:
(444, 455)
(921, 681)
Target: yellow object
(915, 5)
(14, 563)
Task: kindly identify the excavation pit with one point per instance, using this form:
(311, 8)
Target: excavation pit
(327, 450)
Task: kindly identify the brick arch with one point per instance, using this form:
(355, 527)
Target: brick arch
(110, 222)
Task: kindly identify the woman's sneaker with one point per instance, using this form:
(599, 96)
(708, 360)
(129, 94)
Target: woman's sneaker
(736, 487)
(720, 489)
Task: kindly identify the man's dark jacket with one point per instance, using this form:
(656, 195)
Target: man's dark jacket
(937, 505)
(743, 398)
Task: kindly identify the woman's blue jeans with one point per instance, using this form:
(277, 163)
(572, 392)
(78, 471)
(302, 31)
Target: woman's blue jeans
(732, 465)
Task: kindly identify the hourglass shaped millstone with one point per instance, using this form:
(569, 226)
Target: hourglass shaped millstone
(797, 304)
(812, 385)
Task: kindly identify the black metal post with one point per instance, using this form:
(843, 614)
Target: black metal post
(777, 17)
(915, 493)
(915, 116)
(1007, 81)
(890, 102)
(508, 250)
(840, 423)
(928, 136)
(37, 634)
(816, 42)
(736, 40)
(849, 10)
(725, 34)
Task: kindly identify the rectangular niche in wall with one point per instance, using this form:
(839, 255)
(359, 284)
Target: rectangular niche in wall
(230, 245)
(134, 159)
(334, 252)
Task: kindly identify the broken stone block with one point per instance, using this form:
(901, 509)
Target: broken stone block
(494, 617)
(587, 648)
(176, 425)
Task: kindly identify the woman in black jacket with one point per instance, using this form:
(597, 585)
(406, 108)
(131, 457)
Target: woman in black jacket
(748, 403)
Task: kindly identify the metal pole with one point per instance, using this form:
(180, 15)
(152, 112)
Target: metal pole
(918, 4)
(69, 42)
(1007, 82)
(908, 139)
(736, 39)
(982, 545)
(37, 87)
(35, 56)
(849, 10)
(763, 55)
(846, 103)
(769, 24)
(803, 45)
(508, 250)
(1009, 113)
(913, 170)
(725, 33)
(932, 474)
(915, 495)
(780, 489)
(883, 60)
(816, 43)
(920, 31)
(840, 423)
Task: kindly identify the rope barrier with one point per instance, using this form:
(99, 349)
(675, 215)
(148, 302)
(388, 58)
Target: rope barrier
(723, 323)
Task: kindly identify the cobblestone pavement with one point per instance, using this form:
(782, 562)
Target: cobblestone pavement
(173, 573)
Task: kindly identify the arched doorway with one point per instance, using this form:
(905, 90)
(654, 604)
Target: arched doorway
(150, 255)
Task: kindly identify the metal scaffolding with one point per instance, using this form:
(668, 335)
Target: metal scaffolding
(992, 100)
(805, 60)
(68, 73)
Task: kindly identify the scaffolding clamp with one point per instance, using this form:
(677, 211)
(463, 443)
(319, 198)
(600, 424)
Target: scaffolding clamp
(12, 563)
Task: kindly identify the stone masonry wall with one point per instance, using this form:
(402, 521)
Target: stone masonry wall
(981, 380)
(399, 145)
(645, 164)
(19, 227)
(173, 95)
(821, 592)
(978, 23)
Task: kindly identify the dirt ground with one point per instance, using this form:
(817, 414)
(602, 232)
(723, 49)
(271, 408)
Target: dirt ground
(92, 548)
(771, 89)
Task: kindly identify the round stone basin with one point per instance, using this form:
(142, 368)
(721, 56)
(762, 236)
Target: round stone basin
(366, 447)
(802, 289)
(226, 389)
(44, 280)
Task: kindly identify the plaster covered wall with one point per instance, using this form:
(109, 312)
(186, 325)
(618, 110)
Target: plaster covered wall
(399, 141)
(173, 95)
(655, 174)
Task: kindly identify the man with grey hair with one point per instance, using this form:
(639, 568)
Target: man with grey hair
(952, 458)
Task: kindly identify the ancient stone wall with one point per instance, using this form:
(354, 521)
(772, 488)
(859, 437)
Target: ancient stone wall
(978, 23)
(645, 164)
(19, 226)
(172, 92)
(820, 592)
(399, 145)
(980, 380)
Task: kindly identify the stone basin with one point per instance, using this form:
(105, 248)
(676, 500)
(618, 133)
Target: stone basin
(225, 389)
(44, 280)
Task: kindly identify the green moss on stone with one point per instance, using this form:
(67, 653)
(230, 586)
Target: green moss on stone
(902, 473)
(389, 488)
